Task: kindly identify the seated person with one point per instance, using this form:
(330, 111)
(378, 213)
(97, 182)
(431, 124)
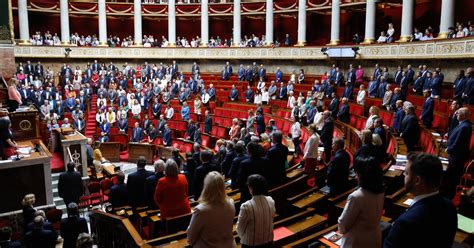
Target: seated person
(118, 193)
(98, 160)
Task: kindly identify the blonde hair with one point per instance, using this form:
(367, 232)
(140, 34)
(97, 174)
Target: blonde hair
(366, 136)
(213, 192)
(264, 137)
(376, 140)
(28, 200)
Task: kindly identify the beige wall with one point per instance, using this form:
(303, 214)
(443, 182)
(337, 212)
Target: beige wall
(7, 60)
(318, 67)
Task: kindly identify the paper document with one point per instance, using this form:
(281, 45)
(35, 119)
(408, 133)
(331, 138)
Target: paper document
(465, 224)
(408, 202)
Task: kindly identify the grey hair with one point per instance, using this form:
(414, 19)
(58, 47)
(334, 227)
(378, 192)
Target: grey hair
(171, 168)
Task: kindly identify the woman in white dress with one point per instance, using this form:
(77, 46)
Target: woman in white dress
(136, 109)
(265, 96)
(258, 97)
(361, 95)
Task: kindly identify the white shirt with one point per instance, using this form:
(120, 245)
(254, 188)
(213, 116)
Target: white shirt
(361, 97)
(311, 147)
(295, 130)
(257, 99)
(319, 120)
(100, 117)
(136, 109)
(205, 98)
(169, 113)
(421, 197)
(291, 102)
(265, 96)
(370, 121)
(255, 222)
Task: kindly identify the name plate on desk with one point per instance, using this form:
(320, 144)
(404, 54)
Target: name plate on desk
(25, 125)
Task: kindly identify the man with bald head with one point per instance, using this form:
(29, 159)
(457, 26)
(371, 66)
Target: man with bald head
(458, 150)
(39, 237)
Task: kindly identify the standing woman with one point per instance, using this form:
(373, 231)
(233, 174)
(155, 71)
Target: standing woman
(359, 222)
(250, 121)
(310, 153)
(8, 145)
(260, 120)
(14, 97)
(197, 107)
(212, 221)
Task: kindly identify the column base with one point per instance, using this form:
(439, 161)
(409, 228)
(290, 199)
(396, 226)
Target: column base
(103, 44)
(235, 44)
(368, 41)
(404, 38)
(171, 44)
(137, 45)
(334, 42)
(204, 45)
(24, 42)
(443, 35)
(300, 44)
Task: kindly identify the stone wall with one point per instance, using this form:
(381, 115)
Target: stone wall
(7, 60)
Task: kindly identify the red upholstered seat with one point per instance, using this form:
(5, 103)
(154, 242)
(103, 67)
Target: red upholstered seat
(205, 140)
(95, 193)
(105, 186)
(54, 217)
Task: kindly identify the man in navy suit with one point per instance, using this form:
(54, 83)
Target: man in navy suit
(404, 82)
(278, 75)
(136, 184)
(249, 75)
(277, 156)
(72, 226)
(398, 75)
(228, 68)
(436, 84)
(212, 92)
(428, 108)
(458, 84)
(224, 74)
(105, 127)
(40, 237)
(338, 77)
(431, 220)
(410, 74)
(334, 105)
(458, 150)
(410, 131)
(262, 72)
(468, 93)
(282, 91)
(351, 74)
(249, 94)
(137, 133)
(348, 91)
(70, 186)
(241, 73)
(118, 193)
(234, 94)
(338, 169)
(167, 136)
(343, 114)
(123, 124)
(382, 87)
(399, 115)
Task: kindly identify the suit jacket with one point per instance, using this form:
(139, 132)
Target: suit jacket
(70, 186)
(327, 132)
(360, 219)
(427, 111)
(199, 175)
(348, 92)
(197, 136)
(338, 172)
(459, 85)
(150, 186)
(277, 157)
(137, 134)
(343, 113)
(171, 195)
(430, 222)
(105, 128)
(136, 187)
(250, 166)
(282, 92)
(436, 86)
(459, 140)
(334, 107)
(118, 195)
(397, 121)
(226, 163)
(71, 227)
(167, 137)
(40, 238)
(123, 125)
(410, 129)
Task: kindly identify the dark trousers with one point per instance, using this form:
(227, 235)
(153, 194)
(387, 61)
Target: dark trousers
(296, 142)
(327, 152)
(13, 105)
(410, 145)
(452, 177)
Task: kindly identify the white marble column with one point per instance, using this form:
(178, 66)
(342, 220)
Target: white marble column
(370, 16)
(301, 23)
(408, 10)
(204, 23)
(237, 23)
(172, 22)
(65, 36)
(102, 23)
(335, 22)
(137, 22)
(269, 23)
(447, 18)
(23, 21)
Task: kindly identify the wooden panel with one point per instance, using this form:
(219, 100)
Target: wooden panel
(136, 149)
(111, 151)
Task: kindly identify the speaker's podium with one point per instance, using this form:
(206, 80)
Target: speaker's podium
(73, 144)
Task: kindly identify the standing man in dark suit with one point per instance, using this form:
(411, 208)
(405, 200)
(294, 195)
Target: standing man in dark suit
(70, 186)
(277, 157)
(404, 86)
(338, 169)
(249, 75)
(343, 114)
(334, 105)
(431, 219)
(241, 73)
(167, 136)
(40, 237)
(224, 74)
(338, 77)
(410, 131)
(137, 133)
(453, 118)
(151, 181)
(201, 172)
(398, 75)
(399, 115)
(468, 93)
(72, 226)
(282, 92)
(255, 164)
(410, 74)
(458, 85)
(327, 134)
(118, 196)
(458, 150)
(136, 184)
(428, 108)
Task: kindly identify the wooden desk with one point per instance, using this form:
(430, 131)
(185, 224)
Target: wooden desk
(137, 149)
(28, 175)
(111, 151)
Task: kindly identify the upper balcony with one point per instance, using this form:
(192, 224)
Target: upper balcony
(434, 49)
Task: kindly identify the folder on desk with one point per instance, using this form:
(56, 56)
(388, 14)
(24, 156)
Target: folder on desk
(465, 224)
(281, 232)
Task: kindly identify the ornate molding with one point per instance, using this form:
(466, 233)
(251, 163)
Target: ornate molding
(446, 49)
